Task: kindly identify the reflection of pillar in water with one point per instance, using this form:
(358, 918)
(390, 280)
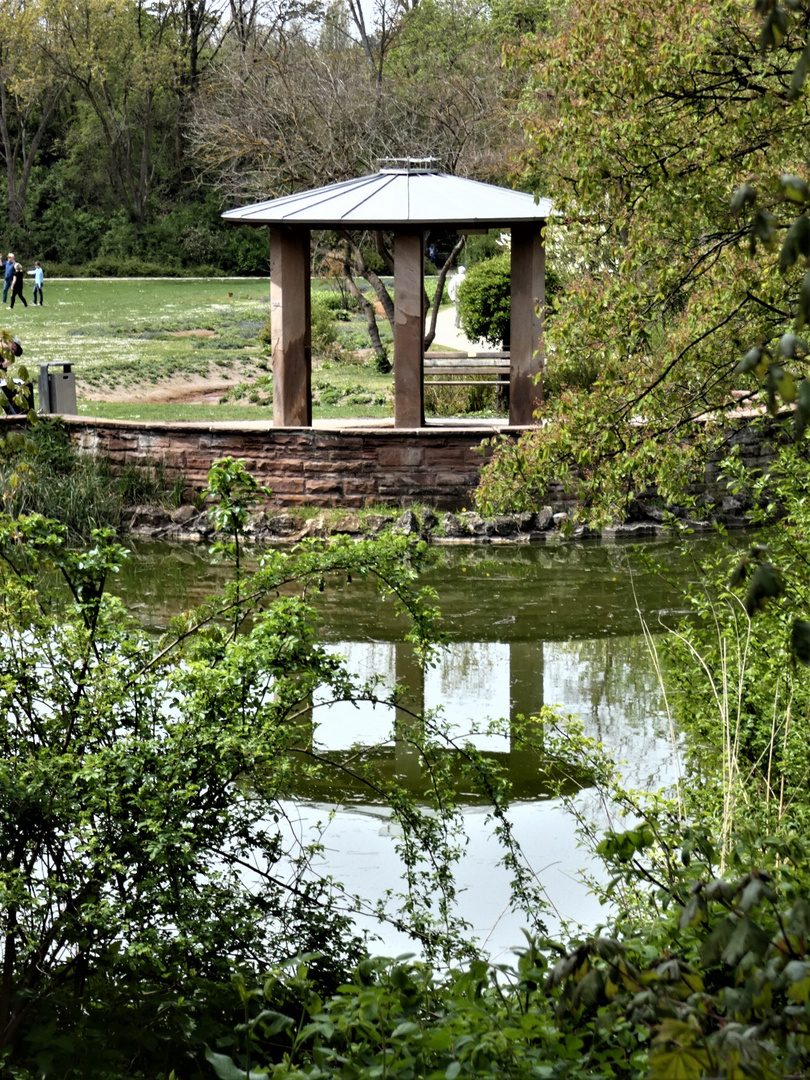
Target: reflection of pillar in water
(525, 699)
(302, 719)
(408, 725)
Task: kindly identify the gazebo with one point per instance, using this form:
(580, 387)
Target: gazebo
(408, 199)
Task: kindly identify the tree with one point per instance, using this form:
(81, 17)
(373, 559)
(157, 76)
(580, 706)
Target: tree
(665, 296)
(120, 57)
(304, 113)
(30, 91)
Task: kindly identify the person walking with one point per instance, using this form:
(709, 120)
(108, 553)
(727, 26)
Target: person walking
(454, 284)
(39, 277)
(8, 276)
(17, 285)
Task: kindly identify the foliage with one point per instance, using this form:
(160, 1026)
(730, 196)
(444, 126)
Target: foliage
(664, 296)
(711, 978)
(41, 472)
(146, 855)
(736, 665)
(462, 400)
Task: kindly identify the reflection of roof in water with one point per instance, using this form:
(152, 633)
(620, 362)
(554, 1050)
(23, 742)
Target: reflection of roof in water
(397, 196)
(552, 592)
(531, 776)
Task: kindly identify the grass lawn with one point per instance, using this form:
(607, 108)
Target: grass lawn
(126, 338)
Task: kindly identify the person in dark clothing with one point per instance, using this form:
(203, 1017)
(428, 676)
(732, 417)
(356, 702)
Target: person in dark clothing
(8, 275)
(17, 285)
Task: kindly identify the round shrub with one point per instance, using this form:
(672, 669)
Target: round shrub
(485, 302)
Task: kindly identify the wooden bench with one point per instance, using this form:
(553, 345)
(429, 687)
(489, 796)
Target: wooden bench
(466, 369)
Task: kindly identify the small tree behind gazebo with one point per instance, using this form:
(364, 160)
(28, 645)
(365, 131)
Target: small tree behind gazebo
(355, 266)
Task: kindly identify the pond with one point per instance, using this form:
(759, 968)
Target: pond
(558, 625)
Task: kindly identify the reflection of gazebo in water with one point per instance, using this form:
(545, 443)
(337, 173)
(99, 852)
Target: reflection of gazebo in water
(408, 201)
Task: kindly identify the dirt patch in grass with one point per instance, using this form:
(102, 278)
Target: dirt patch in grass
(192, 333)
(187, 390)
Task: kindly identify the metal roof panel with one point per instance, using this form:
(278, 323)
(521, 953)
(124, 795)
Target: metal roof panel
(397, 197)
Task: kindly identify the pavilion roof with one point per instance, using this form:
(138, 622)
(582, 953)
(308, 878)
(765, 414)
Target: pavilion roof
(398, 196)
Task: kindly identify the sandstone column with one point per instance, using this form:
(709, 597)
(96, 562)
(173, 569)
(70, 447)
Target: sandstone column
(528, 309)
(290, 326)
(409, 330)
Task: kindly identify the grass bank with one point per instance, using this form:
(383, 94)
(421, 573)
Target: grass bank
(191, 349)
(134, 343)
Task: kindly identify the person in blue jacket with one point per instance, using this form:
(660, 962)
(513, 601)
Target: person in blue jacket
(9, 276)
(39, 277)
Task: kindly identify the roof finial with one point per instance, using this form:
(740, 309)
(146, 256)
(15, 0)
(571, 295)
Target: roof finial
(408, 164)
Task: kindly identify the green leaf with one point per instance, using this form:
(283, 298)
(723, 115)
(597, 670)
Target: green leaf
(739, 573)
(452, 1070)
(744, 196)
(786, 387)
(794, 188)
(774, 29)
(750, 361)
(763, 228)
(226, 1070)
(791, 346)
(766, 584)
(803, 314)
(799, 73)
(796, 243)
(274, 1022)
(407, 1027)
(802, 411)
(694, 912)
(800, 640)
(677, 1064)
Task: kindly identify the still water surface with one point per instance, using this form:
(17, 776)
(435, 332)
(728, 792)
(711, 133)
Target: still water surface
(527, 626)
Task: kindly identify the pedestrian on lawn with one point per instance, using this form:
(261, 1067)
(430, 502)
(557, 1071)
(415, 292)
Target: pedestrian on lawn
(8, 275)
(39, 277)
(17, 285)
(454, 284)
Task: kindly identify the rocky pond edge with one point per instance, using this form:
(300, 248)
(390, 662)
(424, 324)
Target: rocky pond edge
(191, 524)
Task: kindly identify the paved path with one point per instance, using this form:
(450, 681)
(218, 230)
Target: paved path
(449, 335)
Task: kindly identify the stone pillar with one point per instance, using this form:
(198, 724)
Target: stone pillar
(290, 326)
(528, 309)
(409, 330)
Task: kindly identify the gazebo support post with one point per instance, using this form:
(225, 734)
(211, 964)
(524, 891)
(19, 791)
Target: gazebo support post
(526, 331)
(409, 329)
(290, 326)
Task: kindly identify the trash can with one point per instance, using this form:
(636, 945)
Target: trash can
(57, 389)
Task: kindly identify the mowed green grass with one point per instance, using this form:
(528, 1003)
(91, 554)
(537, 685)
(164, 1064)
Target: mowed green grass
(129, 336)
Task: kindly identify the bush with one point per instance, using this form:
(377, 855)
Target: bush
(460, 400)
(485, 301)
(43, 473)
(323, 326)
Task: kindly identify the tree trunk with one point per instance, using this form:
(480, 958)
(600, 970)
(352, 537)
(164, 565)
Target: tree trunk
(430, 333)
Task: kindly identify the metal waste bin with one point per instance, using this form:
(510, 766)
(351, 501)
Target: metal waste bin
(57, 389)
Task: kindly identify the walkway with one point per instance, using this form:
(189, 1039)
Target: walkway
(449, 336)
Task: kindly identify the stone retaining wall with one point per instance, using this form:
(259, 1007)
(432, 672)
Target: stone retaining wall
(351, 467)
(355, 467)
